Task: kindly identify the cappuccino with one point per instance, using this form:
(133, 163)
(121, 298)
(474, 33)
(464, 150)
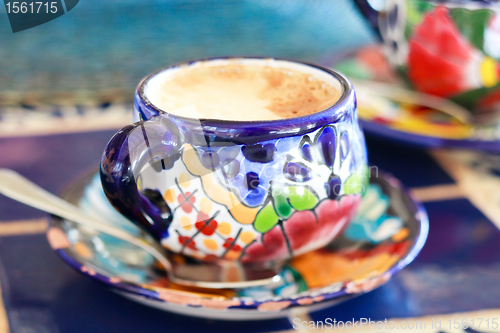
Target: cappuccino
(265, 89)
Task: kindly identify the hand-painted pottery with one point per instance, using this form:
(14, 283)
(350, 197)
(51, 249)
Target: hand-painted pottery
(386, 234)
(446, 48)
(252, 191)
(405, 122)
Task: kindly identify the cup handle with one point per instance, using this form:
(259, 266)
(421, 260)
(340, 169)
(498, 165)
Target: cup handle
(155, 141)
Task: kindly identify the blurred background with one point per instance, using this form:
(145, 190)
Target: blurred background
(97, 53)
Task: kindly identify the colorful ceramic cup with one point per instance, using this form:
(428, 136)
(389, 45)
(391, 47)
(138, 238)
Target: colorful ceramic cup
(248, 191)
(446, 48)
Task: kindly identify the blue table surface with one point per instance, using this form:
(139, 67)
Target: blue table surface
(457, 270)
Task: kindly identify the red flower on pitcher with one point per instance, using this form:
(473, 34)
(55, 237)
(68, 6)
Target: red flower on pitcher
(439, 56)
(320, 225)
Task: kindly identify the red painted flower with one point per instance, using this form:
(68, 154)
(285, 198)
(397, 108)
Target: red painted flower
(184, 240)
(206, 229)
(439, 55)
(186, 206)
(304, 228)
(228, 244)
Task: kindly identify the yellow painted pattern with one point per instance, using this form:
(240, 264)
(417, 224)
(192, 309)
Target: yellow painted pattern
(401, 235)
(224, 228)
(489, 76)
(185, 222)
(247, 236)
(215, 191)
(206, 205)
(210, 244)
(339, 269)
(169, 195)
(232, 255)
(184, 180)
(419, 123)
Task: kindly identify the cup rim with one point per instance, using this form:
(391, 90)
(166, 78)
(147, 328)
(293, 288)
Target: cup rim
(332, 114)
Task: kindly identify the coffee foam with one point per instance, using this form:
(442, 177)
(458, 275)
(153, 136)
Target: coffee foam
(243, 89)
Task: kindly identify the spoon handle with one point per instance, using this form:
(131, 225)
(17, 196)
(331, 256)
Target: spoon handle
(404, 95)
(19, 188)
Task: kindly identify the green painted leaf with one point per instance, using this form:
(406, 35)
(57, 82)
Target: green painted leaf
(358, 181)
(415, 12)
(470, 98)
(471, 24)
(301, 198)
(281, 205)
(286, 200)
(266, 219)
(299, 280)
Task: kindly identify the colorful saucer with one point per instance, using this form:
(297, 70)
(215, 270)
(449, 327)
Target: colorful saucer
(406, 122)
(387, 233)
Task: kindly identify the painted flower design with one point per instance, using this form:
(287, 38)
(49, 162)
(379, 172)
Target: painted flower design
(293, 215)
(372, 222)
(438, 55)
(315, 227)
(443, 62)
(248, 170)
(255, 171)
(297, 193)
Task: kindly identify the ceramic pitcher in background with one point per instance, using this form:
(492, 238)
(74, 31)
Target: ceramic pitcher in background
(445, 48)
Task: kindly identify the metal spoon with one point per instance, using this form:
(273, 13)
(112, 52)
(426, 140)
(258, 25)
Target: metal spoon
(19, 188)
(399, 94)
